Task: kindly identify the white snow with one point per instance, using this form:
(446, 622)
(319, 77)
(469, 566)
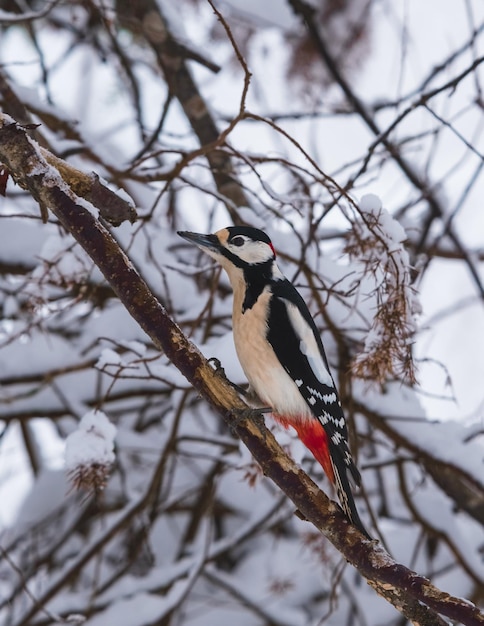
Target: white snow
(370, 203)
(77, 346)
(377, 241)
(108, 357)
(92, 442)
(142, 608)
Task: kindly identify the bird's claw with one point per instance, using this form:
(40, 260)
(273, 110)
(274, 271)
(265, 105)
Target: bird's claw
(242, 414)
(249, 413)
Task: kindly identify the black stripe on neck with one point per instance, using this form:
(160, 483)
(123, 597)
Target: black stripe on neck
(256, 278)
(233, 258)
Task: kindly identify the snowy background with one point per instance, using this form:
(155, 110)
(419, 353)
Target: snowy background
(187, 530)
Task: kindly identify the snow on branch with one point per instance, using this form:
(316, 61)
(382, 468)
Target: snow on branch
(16, 146)
(412, 594)
(90, 451)
(377, 241)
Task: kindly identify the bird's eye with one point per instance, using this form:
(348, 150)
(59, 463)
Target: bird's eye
(237, 241)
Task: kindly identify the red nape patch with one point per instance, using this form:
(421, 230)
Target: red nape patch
(314, 437)
(272, 248)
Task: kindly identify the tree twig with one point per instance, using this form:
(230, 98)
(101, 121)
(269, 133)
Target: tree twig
(414, 595)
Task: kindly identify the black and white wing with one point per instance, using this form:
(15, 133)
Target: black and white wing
(295, 339)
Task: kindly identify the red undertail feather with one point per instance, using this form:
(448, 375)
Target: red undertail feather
(314, 437)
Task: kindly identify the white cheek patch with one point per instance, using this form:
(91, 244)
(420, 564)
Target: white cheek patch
(253, 252)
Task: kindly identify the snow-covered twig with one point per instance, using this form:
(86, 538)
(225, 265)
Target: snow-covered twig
(90, 451)
(412, 594)
(377, 242)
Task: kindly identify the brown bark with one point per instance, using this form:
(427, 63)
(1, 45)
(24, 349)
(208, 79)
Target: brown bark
(413, 595)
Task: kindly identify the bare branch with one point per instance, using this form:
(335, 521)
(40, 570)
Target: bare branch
(412, 594)
(29, 16)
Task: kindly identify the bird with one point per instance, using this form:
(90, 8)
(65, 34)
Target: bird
(282, 354)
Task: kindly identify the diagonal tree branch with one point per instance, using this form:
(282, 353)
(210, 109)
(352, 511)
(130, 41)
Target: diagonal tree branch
(412, 594)
(112, 207)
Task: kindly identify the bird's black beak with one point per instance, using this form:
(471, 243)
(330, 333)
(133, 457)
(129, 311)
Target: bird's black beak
(202, 241)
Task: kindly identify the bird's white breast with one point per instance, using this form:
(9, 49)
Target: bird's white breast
(264, 372)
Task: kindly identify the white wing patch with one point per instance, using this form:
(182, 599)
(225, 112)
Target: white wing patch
(309, 346)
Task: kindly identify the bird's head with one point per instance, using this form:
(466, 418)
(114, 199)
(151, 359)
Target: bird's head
(240, 247)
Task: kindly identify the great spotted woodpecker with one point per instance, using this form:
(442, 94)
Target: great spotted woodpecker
(281, 353)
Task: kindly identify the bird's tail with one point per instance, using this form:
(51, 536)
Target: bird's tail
(314, 437)
(345, 495)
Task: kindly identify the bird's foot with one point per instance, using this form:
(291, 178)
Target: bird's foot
(253, 413)
(250, 413)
